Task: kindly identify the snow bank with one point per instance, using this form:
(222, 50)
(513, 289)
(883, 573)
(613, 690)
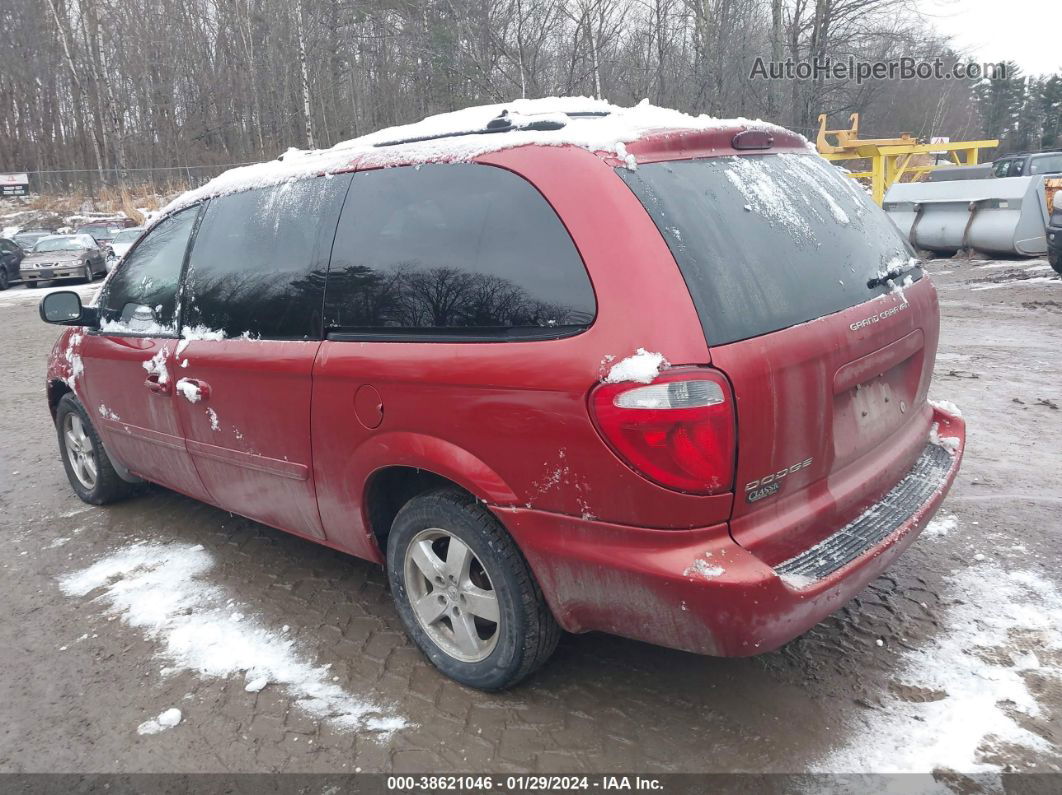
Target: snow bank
(162, 590)
(608, 134)
(642, 368)
(999, 625)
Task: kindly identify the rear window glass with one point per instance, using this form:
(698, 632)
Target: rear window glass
(765, 242)
(462, 249)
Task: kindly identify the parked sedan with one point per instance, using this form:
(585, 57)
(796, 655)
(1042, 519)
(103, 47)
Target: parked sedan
(28, 238)
(10, 258)
(63, 257)
(122, 242)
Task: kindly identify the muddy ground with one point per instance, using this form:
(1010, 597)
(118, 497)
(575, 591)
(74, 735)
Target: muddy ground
(953, 660)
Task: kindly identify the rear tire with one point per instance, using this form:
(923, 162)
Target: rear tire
(89, 470)
(439, 530)
(5, 280)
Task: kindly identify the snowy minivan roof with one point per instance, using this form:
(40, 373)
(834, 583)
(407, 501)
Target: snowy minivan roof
(460, 136)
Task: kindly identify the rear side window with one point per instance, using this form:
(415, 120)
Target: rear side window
(258, 263)
(458, 250)
(765, 242)
(141, 296)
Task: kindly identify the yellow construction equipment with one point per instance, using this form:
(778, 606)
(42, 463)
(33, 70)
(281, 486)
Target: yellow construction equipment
(891, 158)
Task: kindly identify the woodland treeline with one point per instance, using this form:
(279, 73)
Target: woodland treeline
(128, 90)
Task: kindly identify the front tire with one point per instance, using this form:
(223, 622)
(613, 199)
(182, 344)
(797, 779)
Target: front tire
(31, 285)
(89, 275)
(465, 593)
(89, 470)
(5, 280)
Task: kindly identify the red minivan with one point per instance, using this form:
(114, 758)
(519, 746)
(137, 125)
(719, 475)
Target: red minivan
(671, 386)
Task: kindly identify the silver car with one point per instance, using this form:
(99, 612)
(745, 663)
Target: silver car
(123, 241)
(63, 257)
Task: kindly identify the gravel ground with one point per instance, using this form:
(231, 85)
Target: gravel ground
(951, 661)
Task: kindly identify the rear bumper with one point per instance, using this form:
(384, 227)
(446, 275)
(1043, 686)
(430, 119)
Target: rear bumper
(700, 591)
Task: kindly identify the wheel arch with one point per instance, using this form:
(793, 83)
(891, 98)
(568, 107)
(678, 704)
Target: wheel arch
(56, 389)
(403, 465)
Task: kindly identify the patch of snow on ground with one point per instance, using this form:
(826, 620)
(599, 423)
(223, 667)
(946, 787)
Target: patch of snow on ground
(162, 590)
(642, 367)
(22, 295)
(976, 664)
(940, 526)
(166, 720)
(1035, 280)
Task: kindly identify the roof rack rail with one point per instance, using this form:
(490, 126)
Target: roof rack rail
(499, 124)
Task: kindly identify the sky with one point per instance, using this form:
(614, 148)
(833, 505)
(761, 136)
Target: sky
(1024, 31)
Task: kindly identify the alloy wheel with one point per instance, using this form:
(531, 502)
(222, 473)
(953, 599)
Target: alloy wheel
(452, 595)
(79, 451)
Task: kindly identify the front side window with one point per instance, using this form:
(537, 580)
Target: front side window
(454, 250)
(257, 266)
(141, 296)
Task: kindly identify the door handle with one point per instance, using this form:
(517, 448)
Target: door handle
(202, 387)
(157, 386)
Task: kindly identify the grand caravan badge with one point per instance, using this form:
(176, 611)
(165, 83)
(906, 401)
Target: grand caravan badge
(769, 485)
(869, 321)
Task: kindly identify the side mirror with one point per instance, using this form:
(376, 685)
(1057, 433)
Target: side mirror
(63, 308)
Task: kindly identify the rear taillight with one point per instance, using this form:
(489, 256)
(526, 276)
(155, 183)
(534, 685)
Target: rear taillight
(677, 431)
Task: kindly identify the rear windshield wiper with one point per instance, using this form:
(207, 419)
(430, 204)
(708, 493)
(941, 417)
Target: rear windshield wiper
(893, 273)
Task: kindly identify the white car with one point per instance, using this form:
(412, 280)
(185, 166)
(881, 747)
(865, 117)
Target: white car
(121, 243)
